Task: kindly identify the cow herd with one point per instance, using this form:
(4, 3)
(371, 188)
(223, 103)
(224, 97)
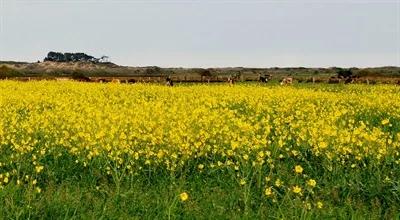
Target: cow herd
(231, 80)
(266, 78)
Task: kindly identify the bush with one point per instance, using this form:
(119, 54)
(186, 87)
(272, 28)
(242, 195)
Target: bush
(6, 71)
(80, 76)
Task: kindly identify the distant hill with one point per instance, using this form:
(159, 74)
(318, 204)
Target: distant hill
(108, 69)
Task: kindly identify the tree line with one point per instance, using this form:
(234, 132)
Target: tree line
(73, 57)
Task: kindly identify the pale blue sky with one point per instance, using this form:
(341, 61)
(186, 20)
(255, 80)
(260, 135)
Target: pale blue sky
(205, 33)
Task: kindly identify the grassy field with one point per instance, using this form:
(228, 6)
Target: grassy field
(72, 150)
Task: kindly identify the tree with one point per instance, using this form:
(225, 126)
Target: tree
(153, 70)
(71, 57)
(104, 59)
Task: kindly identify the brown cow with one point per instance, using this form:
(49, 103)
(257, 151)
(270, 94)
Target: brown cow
(287, 81)
(334, 80)
(115, 80)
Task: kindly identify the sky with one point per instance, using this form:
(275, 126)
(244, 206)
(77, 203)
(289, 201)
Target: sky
(206, 33)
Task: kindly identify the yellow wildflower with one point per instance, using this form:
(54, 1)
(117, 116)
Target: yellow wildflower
(312, 182)
(200, 166)
(184, 196)
(296, 189)
(39, 169)
(278, 183)
(268, 191)
(298, 169)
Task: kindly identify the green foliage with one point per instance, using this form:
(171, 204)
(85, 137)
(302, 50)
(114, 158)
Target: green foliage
(351, 194)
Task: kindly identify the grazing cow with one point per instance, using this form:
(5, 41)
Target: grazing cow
(131, 81)
(169, 81)
(265, 78)
(334, 80)
(231, 80)
(115, 81)
(287, 81)
(349, 80)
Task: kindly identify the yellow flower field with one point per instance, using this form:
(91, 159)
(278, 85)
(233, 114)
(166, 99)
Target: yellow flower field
(279, 138)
